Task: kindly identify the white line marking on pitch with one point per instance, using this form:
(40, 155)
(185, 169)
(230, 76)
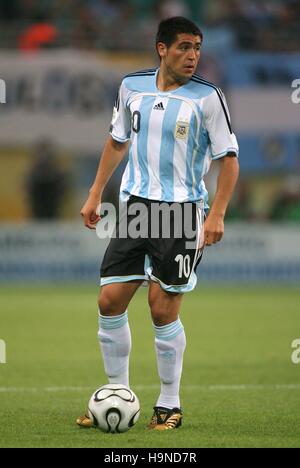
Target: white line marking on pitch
(204, 388)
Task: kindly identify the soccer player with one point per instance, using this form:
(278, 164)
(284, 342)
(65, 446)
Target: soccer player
(174, 123)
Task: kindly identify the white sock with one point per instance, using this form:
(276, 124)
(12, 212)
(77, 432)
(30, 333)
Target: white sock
(170, 344)
(115, 344)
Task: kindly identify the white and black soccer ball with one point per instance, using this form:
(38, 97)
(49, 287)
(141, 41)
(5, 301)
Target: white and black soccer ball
(114, 408)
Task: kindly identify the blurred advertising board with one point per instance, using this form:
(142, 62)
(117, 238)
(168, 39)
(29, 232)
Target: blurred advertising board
(61, 252)
(64, 96)
(67, 97)
(49, 252)
(251, 69)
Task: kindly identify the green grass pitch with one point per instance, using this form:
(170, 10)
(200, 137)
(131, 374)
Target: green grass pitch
(239, 386)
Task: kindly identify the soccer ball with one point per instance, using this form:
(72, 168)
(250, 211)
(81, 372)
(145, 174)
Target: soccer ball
(114, 408)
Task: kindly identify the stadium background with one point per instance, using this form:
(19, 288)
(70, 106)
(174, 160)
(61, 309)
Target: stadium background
(62, 62)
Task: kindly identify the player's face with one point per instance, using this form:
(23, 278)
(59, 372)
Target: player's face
(182, 57)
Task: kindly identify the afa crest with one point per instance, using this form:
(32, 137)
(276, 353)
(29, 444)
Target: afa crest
(182, 129)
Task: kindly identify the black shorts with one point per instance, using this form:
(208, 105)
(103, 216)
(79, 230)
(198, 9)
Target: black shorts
(153, 241)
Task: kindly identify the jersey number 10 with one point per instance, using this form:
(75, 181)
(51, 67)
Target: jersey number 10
(136, 121)
(184, 265)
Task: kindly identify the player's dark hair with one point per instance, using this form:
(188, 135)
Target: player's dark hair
(170, 27)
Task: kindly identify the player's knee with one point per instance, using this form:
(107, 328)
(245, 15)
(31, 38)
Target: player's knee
(162, 310)
(160, 315)
(107, 304)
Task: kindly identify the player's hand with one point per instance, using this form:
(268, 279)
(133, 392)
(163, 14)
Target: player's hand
(213, 229)
(90, 212)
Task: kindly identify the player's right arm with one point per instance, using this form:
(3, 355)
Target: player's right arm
(112, 155)
(114, 151)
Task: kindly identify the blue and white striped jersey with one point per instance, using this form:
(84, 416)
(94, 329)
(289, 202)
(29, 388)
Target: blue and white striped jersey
(173, 135)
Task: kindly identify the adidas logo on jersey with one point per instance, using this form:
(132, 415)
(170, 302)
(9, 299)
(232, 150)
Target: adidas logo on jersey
(159, 106)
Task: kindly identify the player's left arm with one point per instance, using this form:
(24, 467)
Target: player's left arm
(228, 175)
(223, 147)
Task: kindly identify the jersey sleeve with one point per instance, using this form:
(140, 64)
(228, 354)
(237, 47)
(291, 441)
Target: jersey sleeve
(120, 128)
(217, 122)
